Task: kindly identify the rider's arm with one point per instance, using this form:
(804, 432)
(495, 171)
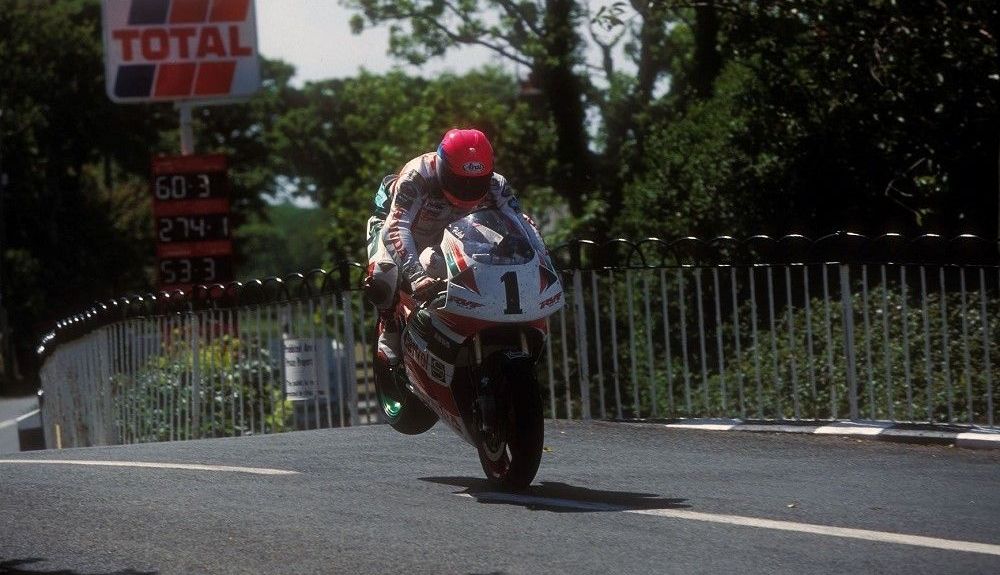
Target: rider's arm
(406, 203)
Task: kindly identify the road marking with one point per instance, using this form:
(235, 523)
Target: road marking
(189, 466)
(977, 438)
(828, 530)
(19, 419)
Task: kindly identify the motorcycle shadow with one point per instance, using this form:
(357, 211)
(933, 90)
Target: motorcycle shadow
(26, 567)
(560, 497)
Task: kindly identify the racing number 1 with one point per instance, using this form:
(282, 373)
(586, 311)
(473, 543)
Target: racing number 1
(509, 280)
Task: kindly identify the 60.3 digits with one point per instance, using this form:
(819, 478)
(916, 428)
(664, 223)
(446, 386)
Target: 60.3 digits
(188, 186)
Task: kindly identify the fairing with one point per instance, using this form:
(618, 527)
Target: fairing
(493, 272)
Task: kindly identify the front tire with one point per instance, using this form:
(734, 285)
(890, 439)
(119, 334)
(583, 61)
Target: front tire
(510, 456)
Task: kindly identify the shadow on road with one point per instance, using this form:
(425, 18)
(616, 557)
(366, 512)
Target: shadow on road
(561, 496)
(22, 567)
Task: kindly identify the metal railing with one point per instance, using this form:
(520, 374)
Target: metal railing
(881, 329)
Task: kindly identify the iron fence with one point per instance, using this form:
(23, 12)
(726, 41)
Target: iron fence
(880, 329)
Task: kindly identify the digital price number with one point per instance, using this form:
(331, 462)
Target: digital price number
(192, 228)
(194, 271)
(193, 225)
(167, 187)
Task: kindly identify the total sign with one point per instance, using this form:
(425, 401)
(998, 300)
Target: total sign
(158, 50)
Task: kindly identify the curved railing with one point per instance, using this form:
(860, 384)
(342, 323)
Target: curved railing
(881, 328)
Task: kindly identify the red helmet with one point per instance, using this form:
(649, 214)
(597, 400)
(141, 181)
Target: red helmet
(465, 166)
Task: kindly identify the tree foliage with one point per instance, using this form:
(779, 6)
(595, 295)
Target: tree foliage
(869, 116)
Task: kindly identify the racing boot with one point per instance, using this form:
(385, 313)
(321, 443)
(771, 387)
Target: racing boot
(388, 347)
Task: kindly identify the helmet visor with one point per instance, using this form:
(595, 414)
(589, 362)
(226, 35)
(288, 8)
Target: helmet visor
(464, 188)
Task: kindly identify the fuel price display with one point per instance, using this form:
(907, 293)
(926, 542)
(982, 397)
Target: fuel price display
(193, 224)
(192, 228)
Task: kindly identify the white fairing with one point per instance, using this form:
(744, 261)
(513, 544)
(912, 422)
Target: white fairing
(494, 274)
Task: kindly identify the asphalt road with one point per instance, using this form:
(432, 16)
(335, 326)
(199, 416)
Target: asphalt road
(609, 498)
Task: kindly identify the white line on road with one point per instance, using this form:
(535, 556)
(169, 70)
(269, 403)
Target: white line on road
(189, 466)
(10, 422)
(828, 530)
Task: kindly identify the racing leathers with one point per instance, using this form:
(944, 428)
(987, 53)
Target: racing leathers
(418, 214)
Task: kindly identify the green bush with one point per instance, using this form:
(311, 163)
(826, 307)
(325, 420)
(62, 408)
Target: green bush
(228, 387)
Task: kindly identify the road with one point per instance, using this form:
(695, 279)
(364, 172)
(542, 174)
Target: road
(609, 498)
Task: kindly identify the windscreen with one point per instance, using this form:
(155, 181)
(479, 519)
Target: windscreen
(491, 237)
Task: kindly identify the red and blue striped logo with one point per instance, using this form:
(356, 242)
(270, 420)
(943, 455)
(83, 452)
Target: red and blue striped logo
(178, 49)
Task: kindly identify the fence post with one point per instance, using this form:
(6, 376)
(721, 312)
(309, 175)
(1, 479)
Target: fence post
(195, 377)
(581, 337)
(349, 343)
(849, 352)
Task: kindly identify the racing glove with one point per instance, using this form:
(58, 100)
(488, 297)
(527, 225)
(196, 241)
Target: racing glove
(425, 288)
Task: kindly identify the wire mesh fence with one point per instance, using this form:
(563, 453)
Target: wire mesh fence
(883, 329)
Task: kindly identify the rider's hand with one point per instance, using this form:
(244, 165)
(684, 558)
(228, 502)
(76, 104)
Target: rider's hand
(425, 288)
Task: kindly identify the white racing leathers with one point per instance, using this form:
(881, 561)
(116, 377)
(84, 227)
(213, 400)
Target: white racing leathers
(419, 214)
(417, 217)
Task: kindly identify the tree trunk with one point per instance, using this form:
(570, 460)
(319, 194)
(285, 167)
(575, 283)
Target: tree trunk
(636, 124)
(707, 60)
(573, 176)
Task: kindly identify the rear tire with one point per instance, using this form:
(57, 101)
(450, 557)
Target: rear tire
(511, 461)
(399, 407)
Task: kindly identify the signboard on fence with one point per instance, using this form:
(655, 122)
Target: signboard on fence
(306, 376)
(192, 220)
(167, 50)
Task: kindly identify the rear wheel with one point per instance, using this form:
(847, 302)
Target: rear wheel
(511, 451)
(400, 408)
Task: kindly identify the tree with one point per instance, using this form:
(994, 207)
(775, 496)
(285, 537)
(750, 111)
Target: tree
(883, 113)
(873, 117)
(63, 148)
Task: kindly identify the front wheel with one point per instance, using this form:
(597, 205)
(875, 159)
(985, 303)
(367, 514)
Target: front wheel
(511, 451)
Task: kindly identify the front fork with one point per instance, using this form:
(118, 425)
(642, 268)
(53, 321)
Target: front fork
(491, 388)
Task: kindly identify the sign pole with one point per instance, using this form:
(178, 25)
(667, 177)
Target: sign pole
(187, 131)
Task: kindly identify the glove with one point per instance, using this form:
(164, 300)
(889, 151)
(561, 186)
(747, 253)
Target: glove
(425, 288)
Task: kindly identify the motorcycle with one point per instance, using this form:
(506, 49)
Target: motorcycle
(469, 353)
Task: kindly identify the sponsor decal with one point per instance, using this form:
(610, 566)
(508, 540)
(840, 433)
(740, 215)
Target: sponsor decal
(418, 355)
(473, 167)
(405, 195)
(462, 302)
(437, 369)
(551, 301)
(457, 232)
(158, 50)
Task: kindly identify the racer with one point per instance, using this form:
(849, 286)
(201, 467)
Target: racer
(417, 204)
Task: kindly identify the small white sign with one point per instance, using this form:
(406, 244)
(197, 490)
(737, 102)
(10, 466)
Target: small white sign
(305, 377)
